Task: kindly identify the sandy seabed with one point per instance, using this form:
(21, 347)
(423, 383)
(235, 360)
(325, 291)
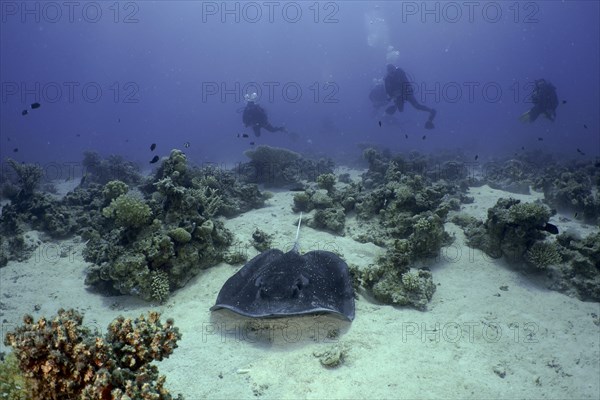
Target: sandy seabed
(475, 340)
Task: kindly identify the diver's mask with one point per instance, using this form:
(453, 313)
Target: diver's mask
(250, 97)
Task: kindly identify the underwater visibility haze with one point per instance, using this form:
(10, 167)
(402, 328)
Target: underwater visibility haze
(174, 73)
(437, 161)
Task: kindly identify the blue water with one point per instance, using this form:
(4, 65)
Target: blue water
(175, 72)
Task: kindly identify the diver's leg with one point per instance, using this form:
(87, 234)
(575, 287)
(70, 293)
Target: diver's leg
(256, 129)
(272, 128)
(421, 107)
(412, 100)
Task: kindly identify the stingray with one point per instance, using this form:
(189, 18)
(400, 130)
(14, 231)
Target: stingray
(276, 284)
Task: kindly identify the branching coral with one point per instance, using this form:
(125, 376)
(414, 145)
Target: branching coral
(114, 189)
(543, 254)
(302, 202)
(62, 359)
(128, 212)
(29, 178)
(391, 280)
(175, 236)
(210, 201)
(532, 214)
(332, 218)
(428, 235)
(410, 281)
(160, 285)
(326, 181)
(169, 189)
(393, 174)
(236, 197)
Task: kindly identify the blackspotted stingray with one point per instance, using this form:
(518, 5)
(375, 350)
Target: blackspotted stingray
(276, 284)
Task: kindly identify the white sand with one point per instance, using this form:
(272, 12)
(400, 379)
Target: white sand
(475, 341)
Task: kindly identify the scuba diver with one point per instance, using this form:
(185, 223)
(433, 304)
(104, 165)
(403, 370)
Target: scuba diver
(398, 88)
(544, 101)
(256, 117)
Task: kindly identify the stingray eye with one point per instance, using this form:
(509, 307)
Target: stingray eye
(299, 285)
(262, 293)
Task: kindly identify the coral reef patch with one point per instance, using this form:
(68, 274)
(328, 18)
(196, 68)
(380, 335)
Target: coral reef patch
(279, 167)
(60, 358)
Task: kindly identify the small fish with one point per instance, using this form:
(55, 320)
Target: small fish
(597, 164)
(540, 139)
(24, 112)
(380, 124)
(575, 216)
(245, 135)
(78, 135)
(476, 157)
(35, 105)
(406, 135)
(152, 146)
(550, 228)
(522, 147)
(16, 150)
(154, 159)
(585, 126)
(424, 137)
(119, 120)
(251, 143)
(581, 152)
(186, 144)
(126, 140)
(8, 139)
(564, 102)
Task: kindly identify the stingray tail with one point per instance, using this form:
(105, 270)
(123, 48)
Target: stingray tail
(297, 241)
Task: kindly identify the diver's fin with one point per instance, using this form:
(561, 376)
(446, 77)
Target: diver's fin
(525, 117)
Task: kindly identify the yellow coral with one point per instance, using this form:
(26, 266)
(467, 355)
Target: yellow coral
(13, 385)
(114, 189)
(128, 211)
